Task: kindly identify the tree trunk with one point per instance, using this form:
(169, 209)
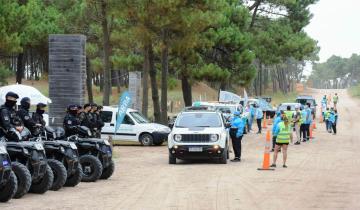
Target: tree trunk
(186, 89)
(89, 81)
(20, 68)
(106, 46)
(164, 75)
(145, 77)
(154, 88)
(117, 80)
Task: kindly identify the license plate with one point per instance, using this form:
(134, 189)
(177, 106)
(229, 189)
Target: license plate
(195, 149)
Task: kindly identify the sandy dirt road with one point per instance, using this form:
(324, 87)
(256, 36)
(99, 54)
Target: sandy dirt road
(321, 174)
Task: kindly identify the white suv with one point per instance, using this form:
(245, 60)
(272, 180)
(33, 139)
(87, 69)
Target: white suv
(199, 134)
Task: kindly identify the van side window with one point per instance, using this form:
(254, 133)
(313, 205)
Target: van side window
(127, 120)
(106, 116)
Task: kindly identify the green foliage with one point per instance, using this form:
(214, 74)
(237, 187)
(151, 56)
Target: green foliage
(4, 74)
(355, 91)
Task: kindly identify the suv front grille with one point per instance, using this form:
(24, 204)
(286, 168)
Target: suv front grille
(195, 138)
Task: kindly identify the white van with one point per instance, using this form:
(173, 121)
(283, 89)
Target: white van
(135, 127)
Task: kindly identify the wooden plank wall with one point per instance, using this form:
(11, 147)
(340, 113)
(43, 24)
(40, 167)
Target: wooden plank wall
(67, 74)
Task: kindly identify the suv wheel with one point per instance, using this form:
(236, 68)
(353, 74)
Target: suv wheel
(146, 139)
(172, 159)
(224, 157)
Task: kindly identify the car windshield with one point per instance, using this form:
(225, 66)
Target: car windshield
(139, 118)
(284, 107)
(305, 101)
(188, 120)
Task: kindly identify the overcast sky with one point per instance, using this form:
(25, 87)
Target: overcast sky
(336, 25)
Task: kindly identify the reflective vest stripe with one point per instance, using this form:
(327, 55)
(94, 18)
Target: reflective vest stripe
(284, 134)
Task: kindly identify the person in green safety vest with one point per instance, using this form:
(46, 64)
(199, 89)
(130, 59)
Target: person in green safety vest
(284, 137)
(297, 120)
(289, 114)
(326, 117)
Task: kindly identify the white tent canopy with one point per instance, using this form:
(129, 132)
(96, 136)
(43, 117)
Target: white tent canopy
(24, 91)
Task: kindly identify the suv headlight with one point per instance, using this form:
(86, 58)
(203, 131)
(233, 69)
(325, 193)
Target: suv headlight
(214, 137)
(177, 137)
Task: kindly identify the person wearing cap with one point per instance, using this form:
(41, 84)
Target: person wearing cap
(277, 120)
(38, 114)
(24, 115)
(284, 137)
(236, 134)
(297, 122)
(8, 116)
(71, 122)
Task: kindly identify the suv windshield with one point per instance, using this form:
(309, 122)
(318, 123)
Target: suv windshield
(188, 120)
(139, 117)
(305, 101)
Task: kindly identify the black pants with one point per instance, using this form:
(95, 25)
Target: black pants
(303, 132)
(307, 127)
(258, 121)
(274, 141)
(236, 143)
(333, 125)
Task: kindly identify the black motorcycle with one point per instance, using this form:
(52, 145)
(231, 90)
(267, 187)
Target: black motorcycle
(63, 158)
(95, 155)
(29, 163)
(8, 180)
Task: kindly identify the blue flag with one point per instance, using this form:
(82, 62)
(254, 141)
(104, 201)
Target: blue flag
(124, 103)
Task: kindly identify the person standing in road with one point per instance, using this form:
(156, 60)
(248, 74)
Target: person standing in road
(251, 118)
(277, 120)
(284, 137)
(307, 122)
(326, 118)
(333, 120)
(259, 116)
(297, 122)
(236, 134)
(335, 100)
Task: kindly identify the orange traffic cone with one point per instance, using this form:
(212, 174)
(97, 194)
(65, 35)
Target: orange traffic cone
(266, 161)
(311, 133)
(264, 121)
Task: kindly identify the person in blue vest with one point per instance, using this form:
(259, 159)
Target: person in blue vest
(236, 134)
(251, 118)
(259, 116)
(333, 120)
(284, 137)
(277, 120)
(307, 122)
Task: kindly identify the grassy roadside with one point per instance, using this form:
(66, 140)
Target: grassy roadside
(354, 91)
(279, 97)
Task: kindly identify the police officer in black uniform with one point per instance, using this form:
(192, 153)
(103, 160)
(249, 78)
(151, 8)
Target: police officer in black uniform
(71, 122)
(86, 118)
(24, 115)
(38, 114)
(8, 117)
